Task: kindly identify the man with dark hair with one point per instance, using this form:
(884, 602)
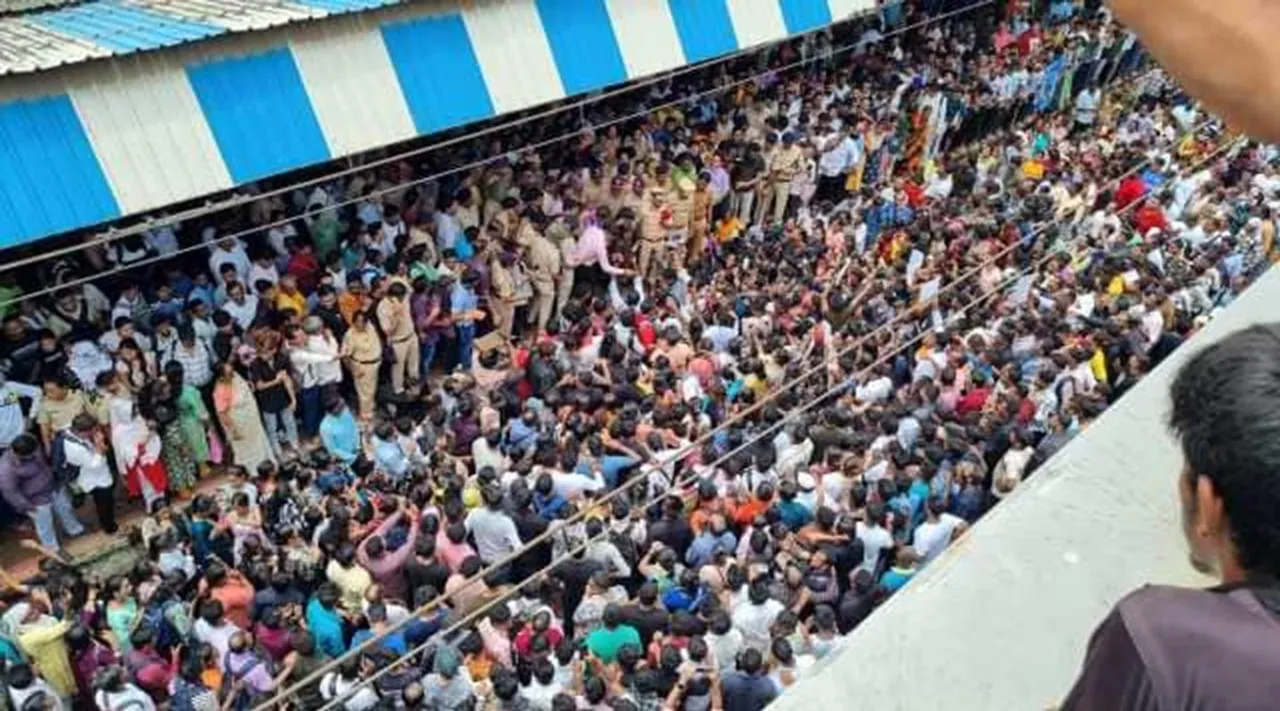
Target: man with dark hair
(396, 320)
(1165, 647)
(85, 452)
(605, 642)
(748, 688)
(29, 486)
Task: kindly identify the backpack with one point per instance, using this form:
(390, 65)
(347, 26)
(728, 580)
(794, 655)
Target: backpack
(184, 695)
(153, 617)
(36, 701)
(130, 704)
(247, 698)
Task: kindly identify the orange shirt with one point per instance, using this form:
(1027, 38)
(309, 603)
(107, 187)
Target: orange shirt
(745, 513)
(236, 596)
(349, 304)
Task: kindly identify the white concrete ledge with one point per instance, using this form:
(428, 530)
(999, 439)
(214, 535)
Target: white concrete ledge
(1001, 621)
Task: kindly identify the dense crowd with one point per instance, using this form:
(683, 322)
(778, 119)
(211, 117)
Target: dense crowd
(650, 419)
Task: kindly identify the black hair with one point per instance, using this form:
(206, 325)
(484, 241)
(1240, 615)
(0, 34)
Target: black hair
(1226, 417)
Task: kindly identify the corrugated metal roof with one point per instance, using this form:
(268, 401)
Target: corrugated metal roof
(102, 28)
(124, 28)
(237, 15)
(26, 47)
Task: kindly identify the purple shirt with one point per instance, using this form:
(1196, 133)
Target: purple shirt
(248, 668)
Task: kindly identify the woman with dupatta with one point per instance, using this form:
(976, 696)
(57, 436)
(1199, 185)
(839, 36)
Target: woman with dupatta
(238, 412)
(138, 450)
(193, 417)
(175, 451)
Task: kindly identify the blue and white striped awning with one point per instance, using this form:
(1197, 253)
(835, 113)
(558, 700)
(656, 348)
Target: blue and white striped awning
(103, 28)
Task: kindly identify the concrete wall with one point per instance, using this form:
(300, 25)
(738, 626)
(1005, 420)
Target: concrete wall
(1002, 620)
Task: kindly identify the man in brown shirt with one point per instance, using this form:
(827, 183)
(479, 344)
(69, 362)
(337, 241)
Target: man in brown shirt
(1167, 648)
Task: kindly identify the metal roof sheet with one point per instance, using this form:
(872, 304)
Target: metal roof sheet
(124, 28)
(101, 28)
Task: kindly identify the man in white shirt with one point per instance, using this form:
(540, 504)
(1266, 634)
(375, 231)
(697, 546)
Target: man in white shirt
(12, 421)
(230, 251)
(314, 354)
(85, 449)
(263, 269)
(494, 532)
(874, 538)
(754, 617)
(123, 329)
(1086, 110)
(571, 485)
(241, 307)
(935, 534)
(486, 451)
(875, 390)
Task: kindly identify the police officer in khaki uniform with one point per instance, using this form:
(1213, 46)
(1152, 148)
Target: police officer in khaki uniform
(655, 224)
(785, 166)
(636, 199)
(563, 237)
(700, 220)
(595, 187)
(545, 263)
(502, 293)
(617, 198)
(362, 352)
(504, 224)
(681, 219)
(396, 320)
(529, 226)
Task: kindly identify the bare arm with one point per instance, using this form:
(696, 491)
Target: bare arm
(1223, 51)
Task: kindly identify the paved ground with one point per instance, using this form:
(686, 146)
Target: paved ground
(102, 553)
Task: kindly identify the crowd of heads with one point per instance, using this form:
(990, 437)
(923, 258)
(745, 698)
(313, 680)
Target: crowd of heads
(651, 417)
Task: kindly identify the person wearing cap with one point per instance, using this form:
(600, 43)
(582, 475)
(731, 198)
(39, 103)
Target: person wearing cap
(362, 352)
(783, 165)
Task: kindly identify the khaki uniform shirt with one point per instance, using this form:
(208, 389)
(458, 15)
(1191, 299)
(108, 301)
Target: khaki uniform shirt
(701, 209)
(681, 211)
(526, 233)
(395, 318)
(786, 163)
(593, 193)
(545, 261)
(651, 227)
(362, 346)
(501, 282)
